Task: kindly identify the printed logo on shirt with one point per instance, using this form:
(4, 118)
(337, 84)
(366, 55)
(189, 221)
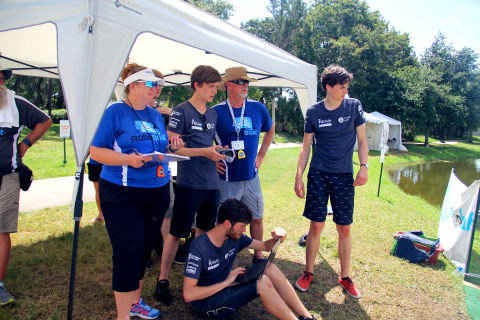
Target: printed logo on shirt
(193, 257)
(190, 263)
(212, 264)
(229, 253)
(361, 111)
(343, 119)
(175, 113)
(324, 123)
(191, 271)
(246, 124)
(148, 132)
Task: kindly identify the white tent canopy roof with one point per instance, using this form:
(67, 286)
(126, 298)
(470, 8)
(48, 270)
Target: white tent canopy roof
(44, 39)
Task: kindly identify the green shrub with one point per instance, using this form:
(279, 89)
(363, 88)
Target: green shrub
(59, 114)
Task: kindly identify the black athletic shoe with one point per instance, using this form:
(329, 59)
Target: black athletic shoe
(255, 260)
(179, 258)
(305, 318)
(162, 292)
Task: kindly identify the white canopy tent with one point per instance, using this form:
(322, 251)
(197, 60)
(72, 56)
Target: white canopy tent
(376, 132)
(394, 133)
(86, 44)
(45, 39)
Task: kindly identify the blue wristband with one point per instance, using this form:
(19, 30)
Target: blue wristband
(27, 142)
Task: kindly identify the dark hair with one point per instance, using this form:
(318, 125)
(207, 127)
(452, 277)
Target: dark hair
(130, 69)
(333, 75)
(204, 74)
(235, 211)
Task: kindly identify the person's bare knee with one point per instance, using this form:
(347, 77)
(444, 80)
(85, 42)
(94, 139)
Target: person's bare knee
(264, 285)
(316, 227)
(344, 232)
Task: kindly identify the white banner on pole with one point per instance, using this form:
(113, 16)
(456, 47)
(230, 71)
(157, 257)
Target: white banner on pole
(457, 219)
(64, 129)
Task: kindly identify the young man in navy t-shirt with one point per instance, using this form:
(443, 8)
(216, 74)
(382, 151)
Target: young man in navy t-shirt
(197, 179)
(335, 122)
(209, 276)
(240, 122)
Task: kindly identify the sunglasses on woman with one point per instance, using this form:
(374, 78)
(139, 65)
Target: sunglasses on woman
(150, 84)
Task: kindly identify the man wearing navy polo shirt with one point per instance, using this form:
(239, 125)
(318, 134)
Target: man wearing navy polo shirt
(240, 121)
(335, 122)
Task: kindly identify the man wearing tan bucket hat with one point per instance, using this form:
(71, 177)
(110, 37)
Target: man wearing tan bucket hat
(240, 121)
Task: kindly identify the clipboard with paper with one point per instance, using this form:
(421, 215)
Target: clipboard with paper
(164, 158)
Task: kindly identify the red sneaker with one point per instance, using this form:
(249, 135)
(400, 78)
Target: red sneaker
(303, 283)
(349, 287)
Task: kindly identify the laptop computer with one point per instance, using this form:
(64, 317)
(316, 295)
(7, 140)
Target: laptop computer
(256, 271)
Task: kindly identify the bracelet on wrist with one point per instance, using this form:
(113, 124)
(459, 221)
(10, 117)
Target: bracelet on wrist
(169, 148)
(123, 159)
(27, 142)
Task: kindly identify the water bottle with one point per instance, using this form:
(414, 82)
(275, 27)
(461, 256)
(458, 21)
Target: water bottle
(459, 271)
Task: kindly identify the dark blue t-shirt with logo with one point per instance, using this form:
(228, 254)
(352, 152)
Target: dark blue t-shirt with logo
(255, 120)
(210, 264)
(198, 172)
(335, 134)
(122, 129)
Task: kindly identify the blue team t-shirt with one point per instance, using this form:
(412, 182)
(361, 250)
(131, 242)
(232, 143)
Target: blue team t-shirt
(255, 120)
(335, 134)
(122, 129)
(210, 264)
(198, 172)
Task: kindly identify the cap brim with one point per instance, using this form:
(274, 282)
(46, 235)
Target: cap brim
(143, 76)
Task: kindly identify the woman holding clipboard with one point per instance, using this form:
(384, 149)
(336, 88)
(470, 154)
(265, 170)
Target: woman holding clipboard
(134, 191)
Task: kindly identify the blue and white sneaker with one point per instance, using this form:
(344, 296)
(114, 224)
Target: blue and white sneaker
(143, 311)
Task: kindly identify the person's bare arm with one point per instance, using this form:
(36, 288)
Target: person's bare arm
(268, 244)
(302, 164)
(38, 131)
(192, 292)
(362, 145)
(208, 152)
(267, 140)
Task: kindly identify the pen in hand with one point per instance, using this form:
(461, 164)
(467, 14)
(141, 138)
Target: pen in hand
(136, 152)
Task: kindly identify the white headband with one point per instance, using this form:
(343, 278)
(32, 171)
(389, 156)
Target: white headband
(145, 75)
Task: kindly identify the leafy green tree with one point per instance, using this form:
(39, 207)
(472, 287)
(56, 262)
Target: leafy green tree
(220, 8)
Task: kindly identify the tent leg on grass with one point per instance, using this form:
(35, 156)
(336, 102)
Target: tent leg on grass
(77, 217)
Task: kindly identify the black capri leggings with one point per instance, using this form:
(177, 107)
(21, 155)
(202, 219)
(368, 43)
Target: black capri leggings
(133, 217)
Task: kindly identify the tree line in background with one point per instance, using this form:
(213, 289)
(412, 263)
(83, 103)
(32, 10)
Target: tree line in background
(437, 93)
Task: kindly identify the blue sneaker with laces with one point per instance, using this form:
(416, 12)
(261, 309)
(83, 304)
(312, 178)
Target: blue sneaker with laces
(143, 311)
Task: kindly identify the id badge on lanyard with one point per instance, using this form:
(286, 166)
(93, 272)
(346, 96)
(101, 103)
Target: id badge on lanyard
(238, 145)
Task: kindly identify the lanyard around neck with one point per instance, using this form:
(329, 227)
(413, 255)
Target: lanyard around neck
(237, 128)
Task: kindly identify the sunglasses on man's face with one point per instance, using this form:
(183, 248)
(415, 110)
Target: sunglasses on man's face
(204, 122)
(150, 84)
(240, 82)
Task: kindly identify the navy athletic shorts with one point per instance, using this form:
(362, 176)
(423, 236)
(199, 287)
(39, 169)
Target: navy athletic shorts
(338, 187)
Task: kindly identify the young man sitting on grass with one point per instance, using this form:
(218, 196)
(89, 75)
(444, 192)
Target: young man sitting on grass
(209, 278)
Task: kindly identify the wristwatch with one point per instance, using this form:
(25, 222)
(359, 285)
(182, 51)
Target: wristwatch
(27, 142)
(364, 165)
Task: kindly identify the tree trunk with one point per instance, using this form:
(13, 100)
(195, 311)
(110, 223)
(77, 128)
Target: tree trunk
(170, 102)
(470, 138)
(426, 136)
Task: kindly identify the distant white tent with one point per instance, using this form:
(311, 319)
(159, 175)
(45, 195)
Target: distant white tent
(376, 132)
(394, 133)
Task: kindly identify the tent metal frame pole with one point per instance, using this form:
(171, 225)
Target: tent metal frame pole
(77, 217)
(470, 249)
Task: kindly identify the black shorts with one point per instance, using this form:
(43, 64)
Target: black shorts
(227, 301)
(336, 186)
(189, 201)
(94, 171)
(133, 218)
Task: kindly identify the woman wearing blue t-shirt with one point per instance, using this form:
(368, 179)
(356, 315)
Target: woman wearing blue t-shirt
(134, 191)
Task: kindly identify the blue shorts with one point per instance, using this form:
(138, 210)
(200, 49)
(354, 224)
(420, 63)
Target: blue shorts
(227, 301)
(189, 202)
(338, 187)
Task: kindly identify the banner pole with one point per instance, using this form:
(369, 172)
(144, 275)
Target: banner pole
(382, 157)
(64, 152)
(473, 236)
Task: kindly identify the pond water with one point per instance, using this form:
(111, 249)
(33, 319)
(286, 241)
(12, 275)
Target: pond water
(430, 180)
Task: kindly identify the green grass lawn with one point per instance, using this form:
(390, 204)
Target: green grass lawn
(392, 288)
